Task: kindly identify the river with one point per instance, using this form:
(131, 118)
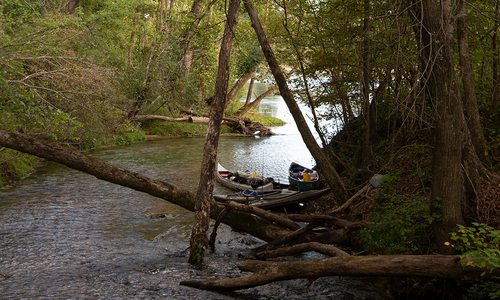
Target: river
(65, 234)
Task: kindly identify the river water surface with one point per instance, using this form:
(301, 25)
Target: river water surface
(65, 234)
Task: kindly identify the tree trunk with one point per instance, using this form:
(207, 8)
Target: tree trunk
(105, 171)
(197, 13)
(435, 49)
(141, 97)
(377, 97)
(496, 59)
(72, 5)
(240, 83)
(250, 91)
(204, 194)
(439, 266)
(328, 171)
(469, 98)
(256, 102)
(366, 149)
(307, 90)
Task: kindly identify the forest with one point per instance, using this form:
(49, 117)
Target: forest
(405, 88)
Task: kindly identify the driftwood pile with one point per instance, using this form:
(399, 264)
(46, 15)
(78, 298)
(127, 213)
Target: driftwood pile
(317, 235)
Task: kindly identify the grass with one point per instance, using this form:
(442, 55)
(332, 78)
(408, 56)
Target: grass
(265, 119)
(178, 129)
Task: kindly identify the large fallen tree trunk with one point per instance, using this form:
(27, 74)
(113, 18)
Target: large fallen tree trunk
(190, 119)
(440, 266)
(242, 125)
(238, 220)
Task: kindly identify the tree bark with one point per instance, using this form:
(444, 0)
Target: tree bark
(200, 120)
(366, 149)
(439, 266)
(277, 219)
(72, 5)
(245, 109)
(197, 12)
(240, 83)
(435, 49)
(300, 248)
(307, 90)
(164, 190)
(250, 91)
(204, 194)
(328, 171)
(496, 59)
(469, 99)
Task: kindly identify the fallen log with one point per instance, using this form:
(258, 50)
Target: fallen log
(102, 170)
(342, 223)
(350, 201)
(285, 222)
(242, 125)
(300, 248)
(436, 266)
(190, 119)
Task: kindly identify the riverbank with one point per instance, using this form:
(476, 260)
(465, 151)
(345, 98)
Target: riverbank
(15, 165)
(110, 246)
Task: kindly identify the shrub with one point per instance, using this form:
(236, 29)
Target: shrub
(479, 243)
(401, 222)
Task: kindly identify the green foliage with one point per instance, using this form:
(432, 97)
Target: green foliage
(401, 222)
(178, 129)
(480, 243)
(127, 134)
(265, 119)
(484, 290)
(15, 165)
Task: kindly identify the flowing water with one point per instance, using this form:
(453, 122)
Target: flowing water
(65, 234)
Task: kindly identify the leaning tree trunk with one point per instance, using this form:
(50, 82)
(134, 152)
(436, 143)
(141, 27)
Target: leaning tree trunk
(250, 91)
(164, 190)
(256, 102)
(240, 83)
(469, 99)
(435, 49)
(328, 171)
(204, 195)
(188, 52)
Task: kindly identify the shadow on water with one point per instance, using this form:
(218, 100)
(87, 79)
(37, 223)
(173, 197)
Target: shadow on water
(66, 234)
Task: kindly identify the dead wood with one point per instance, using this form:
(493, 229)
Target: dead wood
(286, 239)
(351, 200)
(326, 219)
(190, 119)
(213, 235)
(439, 266)
(275, 218)
(300, 248)
(241, 125)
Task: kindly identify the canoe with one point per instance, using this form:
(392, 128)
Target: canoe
(302, 179)
(272, 198)
(241, 181)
